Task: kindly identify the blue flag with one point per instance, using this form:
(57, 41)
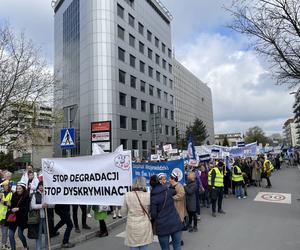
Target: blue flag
(191, 149)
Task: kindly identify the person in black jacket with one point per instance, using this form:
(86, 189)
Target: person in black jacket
(190, 193)
(164, 215)
(20, 207)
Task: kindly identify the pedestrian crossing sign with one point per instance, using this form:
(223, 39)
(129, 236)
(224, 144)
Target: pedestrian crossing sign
(67, 138)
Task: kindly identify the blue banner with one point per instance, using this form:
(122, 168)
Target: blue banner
(154, 168)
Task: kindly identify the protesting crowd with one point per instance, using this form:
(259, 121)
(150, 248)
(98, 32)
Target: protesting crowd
(168, 209)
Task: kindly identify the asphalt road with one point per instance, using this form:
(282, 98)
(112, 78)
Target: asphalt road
(247, 225)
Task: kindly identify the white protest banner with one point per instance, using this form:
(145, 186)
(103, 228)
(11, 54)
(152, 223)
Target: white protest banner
(173, 151)
(99, 179)
(155, 157)
(167, 147)
(193, 163)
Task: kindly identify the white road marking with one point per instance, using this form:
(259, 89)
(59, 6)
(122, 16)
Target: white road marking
(274, 197)
(122, 235)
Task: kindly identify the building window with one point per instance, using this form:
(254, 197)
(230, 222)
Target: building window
(121, 32)
(167, 130)
(134, 124)
(122, 99)
(166, 113)
(169, 53)
(166, 96)
(149, 36)
(164, 64)
(159, 93)
(150, 71)
(151, 108)
(143, 106)
(165, 80)
(124, 143)
(144, 145)
(141, 29)
(120, 11)
(135, 144)
(131, 40)
(131, 20)
(144, 126)
(172, 115)
(150, 53)
(122, 76)
(133, 102)
(151, 89)
(133, 82)
(171, 99)
(142, 67)
(157, 58)
(143, 86)
(49, 139)
(170, 68)
(132, 61)
(123, 122)
(171, 84)
(130, 2)
(121, 54)
(157, 76)
(173, 131)
(163, 47)
(156, 42)
(158, 109)
(141, 47)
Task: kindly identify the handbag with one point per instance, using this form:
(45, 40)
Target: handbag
(12, 217)
(33, 217)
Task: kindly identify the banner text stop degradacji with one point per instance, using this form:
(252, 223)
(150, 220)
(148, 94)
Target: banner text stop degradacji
(110, 176)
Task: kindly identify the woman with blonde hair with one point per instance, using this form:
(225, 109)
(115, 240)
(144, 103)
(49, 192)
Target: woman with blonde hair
(190, 193)
(136, 206)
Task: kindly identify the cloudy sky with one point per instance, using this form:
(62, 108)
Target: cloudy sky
(244, 94)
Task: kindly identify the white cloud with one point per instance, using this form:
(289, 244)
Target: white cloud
(244, 93)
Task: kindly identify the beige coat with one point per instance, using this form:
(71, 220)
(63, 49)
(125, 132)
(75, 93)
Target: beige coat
(138, 227)
(179, 200)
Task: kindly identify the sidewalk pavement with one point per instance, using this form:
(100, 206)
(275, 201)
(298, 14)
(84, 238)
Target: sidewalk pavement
(75, 237)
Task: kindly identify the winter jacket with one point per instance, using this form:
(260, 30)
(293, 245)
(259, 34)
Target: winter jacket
(167, 220)
(190, 192)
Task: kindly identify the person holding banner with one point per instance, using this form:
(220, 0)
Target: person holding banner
(164, 216)
(18, 214)
(216, 183)
(139, 232)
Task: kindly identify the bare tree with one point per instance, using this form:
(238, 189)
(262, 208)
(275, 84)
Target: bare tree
(275, 27)
(25, 81)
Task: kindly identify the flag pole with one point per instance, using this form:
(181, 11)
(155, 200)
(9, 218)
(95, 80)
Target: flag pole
(47, 225)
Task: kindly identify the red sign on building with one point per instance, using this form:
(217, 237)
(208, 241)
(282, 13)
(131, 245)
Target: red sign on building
(101, 126)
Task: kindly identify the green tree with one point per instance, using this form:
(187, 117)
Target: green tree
(7, 161)
(225, 142)
(256, 134)
(198, 132)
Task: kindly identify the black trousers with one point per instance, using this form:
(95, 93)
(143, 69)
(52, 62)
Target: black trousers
(103, 228)
(264, 175)
(65, 218)
(192, 217)
(50, 212)
(216, 195)
(83, 215)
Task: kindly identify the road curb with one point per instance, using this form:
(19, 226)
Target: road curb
(90, 235)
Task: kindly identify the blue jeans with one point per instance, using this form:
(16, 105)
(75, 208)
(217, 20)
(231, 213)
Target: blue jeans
(4, 231)
(139, 248)
(176, 241)
(42, 228)
(21, 237)
(239, 191)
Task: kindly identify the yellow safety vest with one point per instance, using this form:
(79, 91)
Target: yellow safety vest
(3, 208)
(265, 166)
(236, 177)
(219, 180)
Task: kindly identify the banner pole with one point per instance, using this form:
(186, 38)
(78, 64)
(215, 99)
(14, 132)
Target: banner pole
(48, 233)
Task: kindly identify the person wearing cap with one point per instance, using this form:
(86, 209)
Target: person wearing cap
(179, 197)
(216, 183)
(162, 177)
(20, 207)
(5, 199)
